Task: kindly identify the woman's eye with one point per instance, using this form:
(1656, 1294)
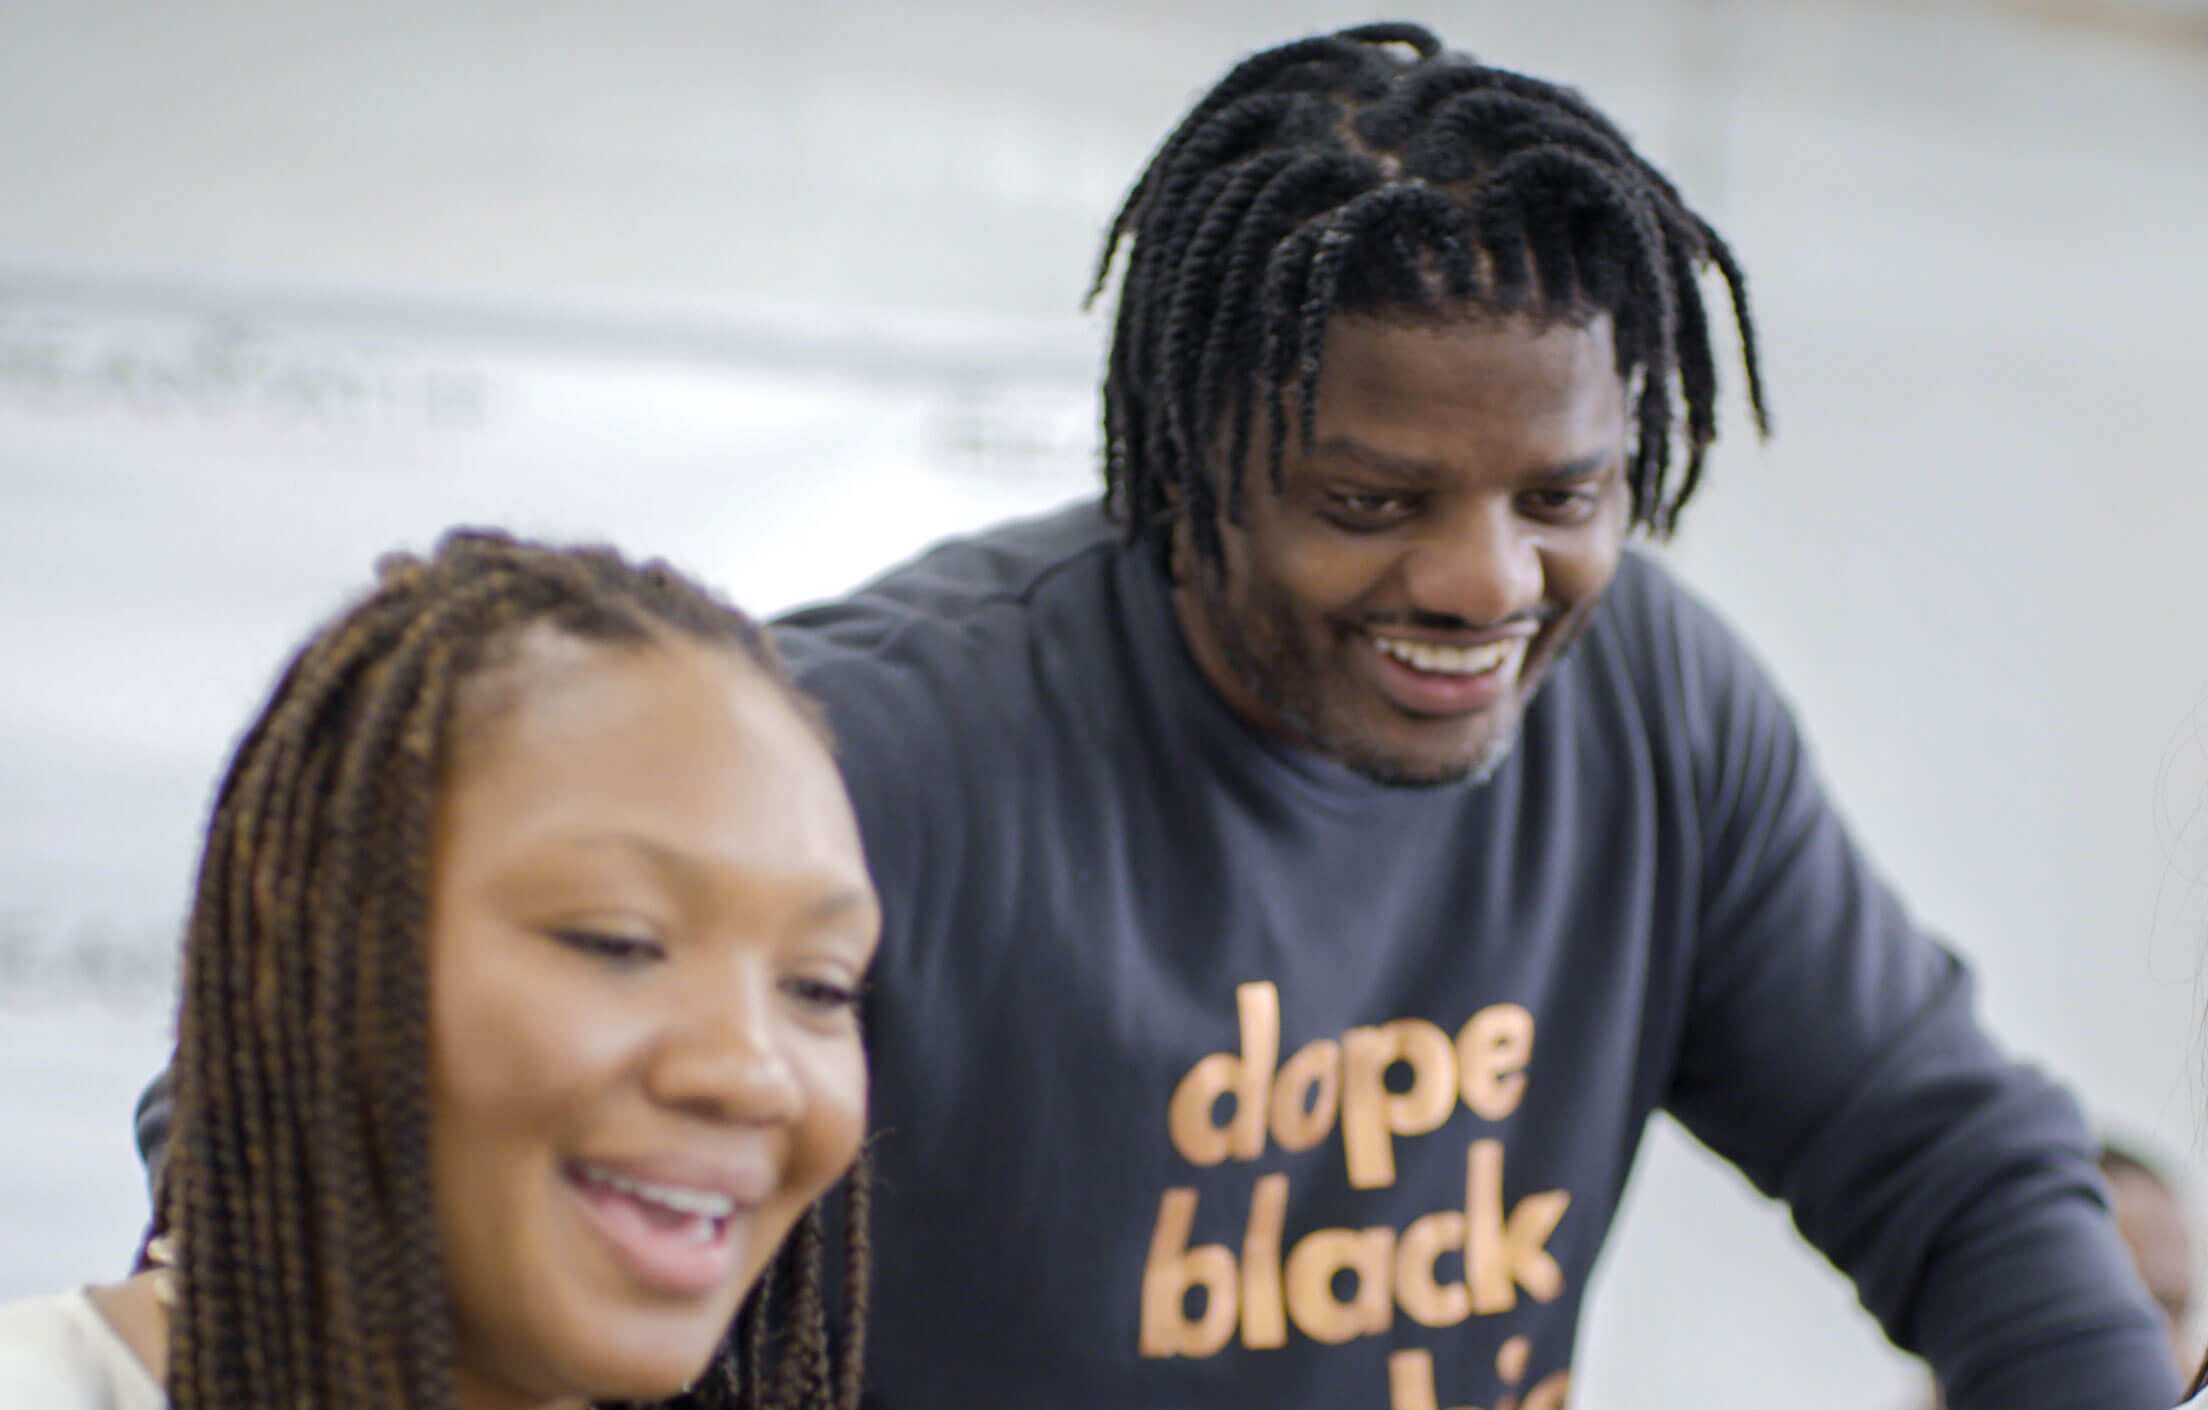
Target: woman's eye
(605, 945)
(822, 993)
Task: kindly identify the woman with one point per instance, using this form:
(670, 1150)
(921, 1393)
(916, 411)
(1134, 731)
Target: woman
(519, 1024)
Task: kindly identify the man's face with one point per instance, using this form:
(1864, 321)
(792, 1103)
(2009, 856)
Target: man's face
(1459, 511)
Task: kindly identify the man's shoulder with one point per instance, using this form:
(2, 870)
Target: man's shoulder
(1658, 654)
(938, 677)
(956, 595)
(953, 652)
(1657, 631)
(1647, 601)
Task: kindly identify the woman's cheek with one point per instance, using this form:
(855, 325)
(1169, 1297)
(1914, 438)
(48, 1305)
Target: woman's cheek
(834, 1073)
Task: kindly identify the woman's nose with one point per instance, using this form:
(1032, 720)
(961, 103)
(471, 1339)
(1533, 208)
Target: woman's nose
(726, 1058)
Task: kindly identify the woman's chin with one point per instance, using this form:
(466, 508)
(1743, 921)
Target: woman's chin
(621, 1358)
(642, 1371)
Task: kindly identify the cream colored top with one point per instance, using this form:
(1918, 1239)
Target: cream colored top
(59, 1353)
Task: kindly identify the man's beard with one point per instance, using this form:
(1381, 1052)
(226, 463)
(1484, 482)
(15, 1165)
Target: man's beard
(1259, 642)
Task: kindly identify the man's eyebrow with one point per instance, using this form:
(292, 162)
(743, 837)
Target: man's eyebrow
(1427, 472)
(1402, 467)
(1581, 468)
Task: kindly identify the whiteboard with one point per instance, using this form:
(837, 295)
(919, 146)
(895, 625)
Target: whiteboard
(190, 479)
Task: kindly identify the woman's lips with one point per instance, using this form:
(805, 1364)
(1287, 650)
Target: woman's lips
(677, 1240)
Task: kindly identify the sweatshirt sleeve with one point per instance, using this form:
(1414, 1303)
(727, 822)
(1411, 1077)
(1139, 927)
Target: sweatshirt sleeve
(1831, 1052)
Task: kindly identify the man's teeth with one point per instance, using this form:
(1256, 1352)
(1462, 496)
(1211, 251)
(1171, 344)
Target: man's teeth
(701, 1204)
(1451, 660)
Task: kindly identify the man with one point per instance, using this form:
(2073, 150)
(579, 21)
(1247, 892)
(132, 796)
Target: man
(1307, 872)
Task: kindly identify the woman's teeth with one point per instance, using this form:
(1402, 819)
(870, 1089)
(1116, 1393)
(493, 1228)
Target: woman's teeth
(1452, 660)
(707, 1208)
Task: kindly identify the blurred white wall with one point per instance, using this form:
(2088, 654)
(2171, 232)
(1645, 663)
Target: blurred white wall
(727, 282)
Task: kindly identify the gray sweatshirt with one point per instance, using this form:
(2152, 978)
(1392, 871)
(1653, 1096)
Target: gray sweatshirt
(1209, 1073)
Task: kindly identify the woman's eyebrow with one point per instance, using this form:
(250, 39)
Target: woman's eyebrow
(691, 871)
(657, 854)
(830, 907)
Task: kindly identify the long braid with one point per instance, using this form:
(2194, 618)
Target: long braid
(804, 1373)
(297, 1182)
(757, 1323)
(1310, 179)
(858, 1279)
(1337, 175)
(289, 825)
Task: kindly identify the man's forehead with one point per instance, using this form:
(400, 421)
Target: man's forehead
(1397, 397)
(1385, 358)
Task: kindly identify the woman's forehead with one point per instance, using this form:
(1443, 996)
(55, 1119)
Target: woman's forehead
(676, 740)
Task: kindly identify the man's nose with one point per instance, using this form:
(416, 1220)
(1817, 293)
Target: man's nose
(1480, 566)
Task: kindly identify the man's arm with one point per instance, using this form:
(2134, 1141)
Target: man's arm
(1831, 1052)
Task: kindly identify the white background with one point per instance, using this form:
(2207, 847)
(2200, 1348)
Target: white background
(781, 291)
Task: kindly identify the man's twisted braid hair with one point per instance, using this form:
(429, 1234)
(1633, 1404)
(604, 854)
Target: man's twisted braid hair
(1371, 172)
(297, 1183)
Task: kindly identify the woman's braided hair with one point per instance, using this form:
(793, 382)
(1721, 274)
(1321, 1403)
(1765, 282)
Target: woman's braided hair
(1370, 171)
(297, 1185)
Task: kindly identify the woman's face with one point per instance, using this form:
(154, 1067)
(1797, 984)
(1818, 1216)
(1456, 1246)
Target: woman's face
(649, 921)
